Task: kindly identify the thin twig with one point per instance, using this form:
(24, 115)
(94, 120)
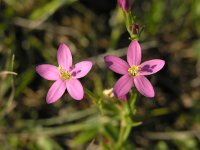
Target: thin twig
(11, 97)
(10, 105)
(33, 25)
(2, 73)
(180, 135)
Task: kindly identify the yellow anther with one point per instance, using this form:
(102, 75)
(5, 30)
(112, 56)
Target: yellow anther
(59, 68)
(134, 70)
(65, 75)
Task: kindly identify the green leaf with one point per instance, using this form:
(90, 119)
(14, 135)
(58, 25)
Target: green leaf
(135, 124)
(162, 145)
(83, 137)
(92, 96)
(111, 132)
(24, 79)
(48, 9)
(45, 143)
(92, 123)
(74, 116)
(133, 99)
(126, 133)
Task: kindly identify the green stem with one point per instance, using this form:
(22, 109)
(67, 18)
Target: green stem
(121, 135)
(130, 20)
(126, 122)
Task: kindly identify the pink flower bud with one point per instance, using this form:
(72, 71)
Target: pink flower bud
(125, 4)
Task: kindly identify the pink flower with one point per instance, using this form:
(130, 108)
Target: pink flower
(133, 72)
(65, 75)
(125, 5)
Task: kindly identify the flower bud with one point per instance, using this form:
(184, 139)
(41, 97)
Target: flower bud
(125, 5)
(135, 29)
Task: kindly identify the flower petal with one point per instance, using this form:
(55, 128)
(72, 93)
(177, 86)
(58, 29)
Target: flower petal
(48, 72)
(81, 69)
(151, 66)
(123, 85)
(64, 57)
(116, 64)
(56, 91)
(134, 53)
(75, 89)
(125, 5)
(144, 86)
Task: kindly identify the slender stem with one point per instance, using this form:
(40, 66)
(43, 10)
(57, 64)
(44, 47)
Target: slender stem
(121, 134)
(126, 121)
(10, 100)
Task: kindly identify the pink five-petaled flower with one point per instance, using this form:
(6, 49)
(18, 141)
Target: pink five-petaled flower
(133, 72)
(65, 75)
(125, 5)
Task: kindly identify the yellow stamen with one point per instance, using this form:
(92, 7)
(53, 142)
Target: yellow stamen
(134, 70)
(59, 68)
(65, 75)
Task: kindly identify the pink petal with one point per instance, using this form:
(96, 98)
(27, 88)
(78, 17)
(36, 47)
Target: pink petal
(56, 91)
(49, 72)
(125, 5)
(134, 53)
(144, 86)
(116, 64)
(64, 57)
(151, 66)
(81, 69)
(123, 86)
(75, 89)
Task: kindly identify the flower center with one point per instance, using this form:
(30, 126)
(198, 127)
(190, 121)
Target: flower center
(134, 70)
(65, 75)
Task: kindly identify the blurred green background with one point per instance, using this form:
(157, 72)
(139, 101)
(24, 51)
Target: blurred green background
(30, 33)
